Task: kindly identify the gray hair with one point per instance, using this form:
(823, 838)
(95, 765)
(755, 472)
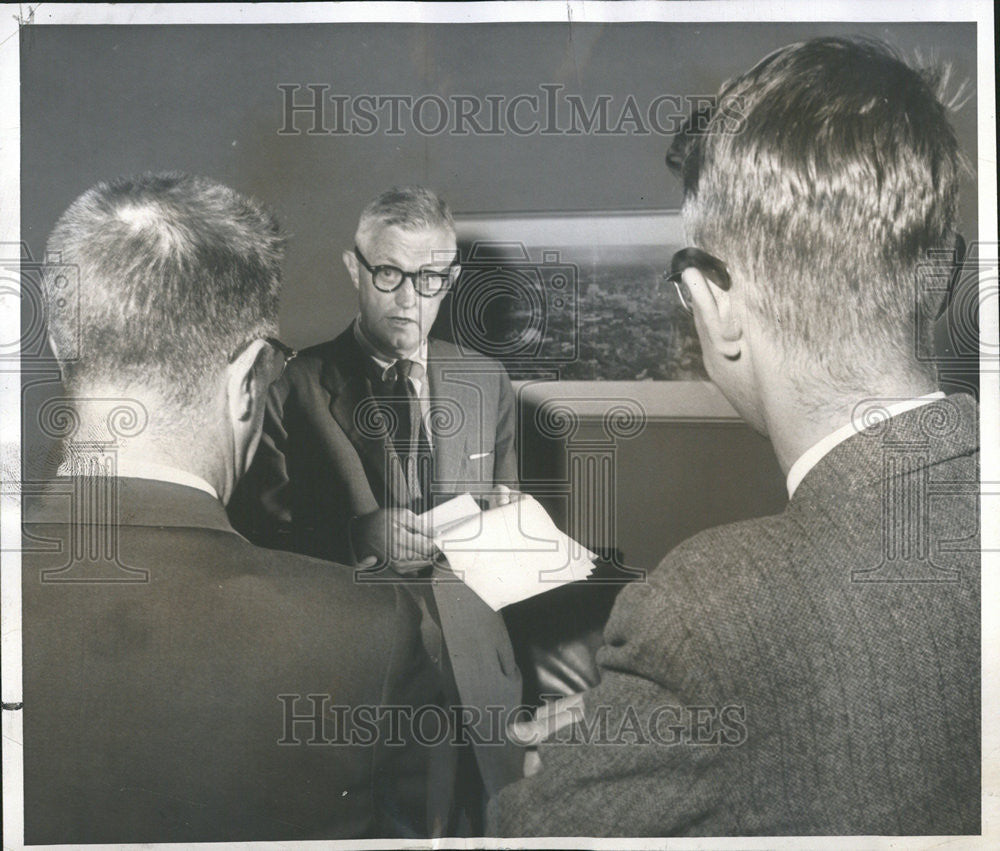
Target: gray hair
(824, 178)
(407, 207)
(173, 274)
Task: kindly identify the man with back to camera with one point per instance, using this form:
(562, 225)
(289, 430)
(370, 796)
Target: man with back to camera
(367, 431)
(817, 671)
(176, 677)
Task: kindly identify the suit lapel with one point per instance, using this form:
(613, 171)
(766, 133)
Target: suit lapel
(455, 409)
(354, 408)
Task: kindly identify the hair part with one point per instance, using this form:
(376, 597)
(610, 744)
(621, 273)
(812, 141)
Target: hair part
(408, 207)
(173, 274)
(827, 174)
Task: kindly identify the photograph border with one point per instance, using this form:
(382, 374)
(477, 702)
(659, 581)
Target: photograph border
(18, 16)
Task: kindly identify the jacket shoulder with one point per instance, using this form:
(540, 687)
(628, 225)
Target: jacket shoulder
(304, 575)
(314, 356)
(742, 542)
(444, 350)
(315, 364)
(329, 601)
(713, 571)
(328, 348)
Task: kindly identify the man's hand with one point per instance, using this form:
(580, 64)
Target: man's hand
(549, 719)
(393, 536)
(500, 495)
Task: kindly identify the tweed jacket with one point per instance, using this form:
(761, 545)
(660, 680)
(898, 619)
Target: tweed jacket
(813, 672)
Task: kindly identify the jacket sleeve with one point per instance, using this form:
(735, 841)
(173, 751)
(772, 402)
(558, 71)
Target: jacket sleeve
(405, 765)
(654, 751)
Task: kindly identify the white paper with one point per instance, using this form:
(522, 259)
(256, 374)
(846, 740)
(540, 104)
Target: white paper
(447, 514)
(507, 554)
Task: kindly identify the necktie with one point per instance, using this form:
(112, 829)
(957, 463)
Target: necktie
(409, 438)
(410, 443)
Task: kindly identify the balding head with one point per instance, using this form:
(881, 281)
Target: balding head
(174, 274)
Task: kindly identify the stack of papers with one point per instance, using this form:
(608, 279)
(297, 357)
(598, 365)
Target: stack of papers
(506, 554)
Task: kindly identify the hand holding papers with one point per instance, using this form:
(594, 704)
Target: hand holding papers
(393, 536)
(506, 554)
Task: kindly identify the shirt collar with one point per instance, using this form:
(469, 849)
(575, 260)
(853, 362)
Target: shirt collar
(130, 468)
(814, 454)
(419, 356)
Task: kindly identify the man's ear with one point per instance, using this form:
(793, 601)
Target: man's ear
(351, 262)
(53, 347)
(55, 353)
(718, 311)
(246, 382)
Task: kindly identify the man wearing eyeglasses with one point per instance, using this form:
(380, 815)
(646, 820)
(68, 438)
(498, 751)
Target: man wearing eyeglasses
(180, 684)
(366, 432)
(817, 671)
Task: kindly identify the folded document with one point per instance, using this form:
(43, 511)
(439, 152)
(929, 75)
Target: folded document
(506, 554)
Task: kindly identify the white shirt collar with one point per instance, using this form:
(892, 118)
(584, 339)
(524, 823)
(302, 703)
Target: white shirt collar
(862, 414)
(132, 469)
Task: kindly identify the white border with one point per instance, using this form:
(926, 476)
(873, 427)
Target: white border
(573, 11)
(10, 436)
(989, 435)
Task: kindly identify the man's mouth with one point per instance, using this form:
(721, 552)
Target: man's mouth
(402, 320)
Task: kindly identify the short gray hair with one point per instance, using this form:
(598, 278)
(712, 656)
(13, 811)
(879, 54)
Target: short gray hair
(407, 207)
(824, 178)
(174, 272)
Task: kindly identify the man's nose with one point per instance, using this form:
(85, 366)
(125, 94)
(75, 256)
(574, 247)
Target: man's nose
(406, 295)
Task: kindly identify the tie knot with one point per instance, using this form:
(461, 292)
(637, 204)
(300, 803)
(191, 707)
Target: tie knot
(409, 369)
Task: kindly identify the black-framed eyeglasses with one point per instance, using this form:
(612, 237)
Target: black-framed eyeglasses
(288, 354)
(710, 266)
(428, 282)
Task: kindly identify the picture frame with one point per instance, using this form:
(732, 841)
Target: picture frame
(575, 296)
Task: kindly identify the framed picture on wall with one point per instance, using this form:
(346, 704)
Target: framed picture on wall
(574, 296)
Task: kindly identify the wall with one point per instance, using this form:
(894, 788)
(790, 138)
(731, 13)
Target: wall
(102, 101)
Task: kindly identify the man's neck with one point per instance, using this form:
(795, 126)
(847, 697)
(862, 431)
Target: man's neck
(134, 444)
(369, 347)
(111, 460)
(795, 426)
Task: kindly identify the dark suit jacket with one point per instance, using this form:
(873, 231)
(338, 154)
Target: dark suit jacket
(324, 458)
(157, 650)
(814, 672)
